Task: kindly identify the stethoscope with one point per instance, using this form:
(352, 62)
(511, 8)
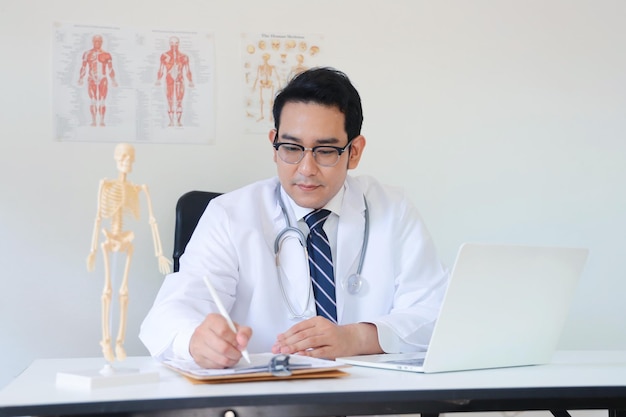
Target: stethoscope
(351, 284)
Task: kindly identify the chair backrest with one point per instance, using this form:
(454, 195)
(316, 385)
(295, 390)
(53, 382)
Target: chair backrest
(189, 209)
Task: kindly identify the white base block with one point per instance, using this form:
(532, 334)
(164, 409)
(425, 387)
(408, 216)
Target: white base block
(105, 377)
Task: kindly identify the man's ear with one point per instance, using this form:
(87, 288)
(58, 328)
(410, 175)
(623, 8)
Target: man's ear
(272, 136)
(356, 151)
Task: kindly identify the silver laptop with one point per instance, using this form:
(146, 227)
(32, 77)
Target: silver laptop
(505, 305)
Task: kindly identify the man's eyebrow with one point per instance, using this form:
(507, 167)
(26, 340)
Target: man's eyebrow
(286, 136)
(325, 141)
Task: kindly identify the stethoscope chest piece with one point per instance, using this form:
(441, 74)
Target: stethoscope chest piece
(352, 284)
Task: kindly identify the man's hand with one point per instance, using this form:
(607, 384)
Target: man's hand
(214, 345)
(320, 338)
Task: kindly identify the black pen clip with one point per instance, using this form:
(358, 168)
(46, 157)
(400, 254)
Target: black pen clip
(279, 365)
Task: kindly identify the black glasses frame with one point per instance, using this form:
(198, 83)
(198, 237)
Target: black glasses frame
(339, 150)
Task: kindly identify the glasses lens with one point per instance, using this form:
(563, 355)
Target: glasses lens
(326, 156)
(292, 154)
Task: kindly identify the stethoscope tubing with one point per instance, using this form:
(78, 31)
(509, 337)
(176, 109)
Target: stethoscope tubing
(302, 238)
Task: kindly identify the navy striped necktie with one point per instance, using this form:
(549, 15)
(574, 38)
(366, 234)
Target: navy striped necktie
(321, 265)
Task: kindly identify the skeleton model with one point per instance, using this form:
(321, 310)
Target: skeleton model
(116, 199)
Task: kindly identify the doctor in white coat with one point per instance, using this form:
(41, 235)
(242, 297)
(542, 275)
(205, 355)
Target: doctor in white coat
(249, 244)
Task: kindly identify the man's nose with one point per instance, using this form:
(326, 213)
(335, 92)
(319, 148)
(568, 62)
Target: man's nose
(308, 165)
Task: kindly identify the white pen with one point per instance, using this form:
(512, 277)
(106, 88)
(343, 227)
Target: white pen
(224, 313)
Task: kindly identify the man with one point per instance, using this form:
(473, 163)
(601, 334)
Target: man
(97, 64)
(249, 244)
(175, 66)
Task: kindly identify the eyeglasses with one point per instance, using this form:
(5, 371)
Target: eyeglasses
(326, 156)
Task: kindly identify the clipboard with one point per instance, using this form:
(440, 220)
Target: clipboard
(264, 367)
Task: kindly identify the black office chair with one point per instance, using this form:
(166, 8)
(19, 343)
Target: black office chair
(189, 209)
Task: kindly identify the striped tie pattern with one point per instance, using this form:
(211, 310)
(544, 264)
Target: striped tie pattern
(321, 265)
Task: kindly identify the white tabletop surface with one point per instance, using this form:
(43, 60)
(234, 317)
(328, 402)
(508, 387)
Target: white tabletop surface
(36, 385)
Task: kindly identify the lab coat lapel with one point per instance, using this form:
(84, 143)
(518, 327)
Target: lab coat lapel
(276, 225)
(292, 270)
(349, 241)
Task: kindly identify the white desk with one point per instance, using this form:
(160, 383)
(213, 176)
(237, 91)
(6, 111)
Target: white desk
(574, 380)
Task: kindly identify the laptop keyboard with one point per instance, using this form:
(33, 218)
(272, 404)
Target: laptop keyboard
(413, 362)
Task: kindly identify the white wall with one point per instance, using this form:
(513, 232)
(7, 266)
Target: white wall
(504, 120)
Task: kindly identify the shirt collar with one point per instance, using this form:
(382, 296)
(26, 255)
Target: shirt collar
(334, 205)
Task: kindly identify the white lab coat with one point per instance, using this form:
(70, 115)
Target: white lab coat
(233, 244)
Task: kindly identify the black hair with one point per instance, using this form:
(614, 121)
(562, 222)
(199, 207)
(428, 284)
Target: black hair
(325, 86)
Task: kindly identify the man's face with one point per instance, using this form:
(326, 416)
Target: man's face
(309, 124)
